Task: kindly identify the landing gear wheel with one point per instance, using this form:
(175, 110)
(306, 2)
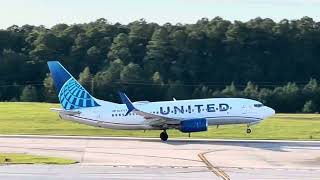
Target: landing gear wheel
(248, 131)
(164, 136)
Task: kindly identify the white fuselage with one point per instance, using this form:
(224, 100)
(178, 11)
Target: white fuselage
(217, 111)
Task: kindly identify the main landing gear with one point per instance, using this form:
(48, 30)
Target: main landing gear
(164, 135)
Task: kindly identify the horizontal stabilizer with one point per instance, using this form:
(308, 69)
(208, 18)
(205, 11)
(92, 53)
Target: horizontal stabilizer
(65, 112)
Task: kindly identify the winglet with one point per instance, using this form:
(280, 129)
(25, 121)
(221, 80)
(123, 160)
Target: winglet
(125, 100)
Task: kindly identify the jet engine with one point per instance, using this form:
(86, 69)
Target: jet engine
(194, 125)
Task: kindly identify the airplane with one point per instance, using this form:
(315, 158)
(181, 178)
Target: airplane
(185, 115)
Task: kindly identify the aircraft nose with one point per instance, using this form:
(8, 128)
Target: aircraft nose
(269, 112)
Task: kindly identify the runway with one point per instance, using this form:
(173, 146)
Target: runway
(148, 158)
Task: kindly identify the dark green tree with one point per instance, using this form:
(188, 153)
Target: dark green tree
(120, 49)
(164, 61)
(251, 91)
(50, 94)
(309, 107)
(85, 78)
(131, 72)
(230, 91)
(158, 52)
(29, 94)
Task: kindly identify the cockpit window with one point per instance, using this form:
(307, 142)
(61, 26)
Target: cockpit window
(258, 105)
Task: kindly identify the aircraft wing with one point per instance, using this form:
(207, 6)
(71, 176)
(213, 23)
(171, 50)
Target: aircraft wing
(65, 112)
(152, 119)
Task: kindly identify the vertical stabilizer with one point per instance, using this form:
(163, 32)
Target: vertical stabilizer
(70, 92)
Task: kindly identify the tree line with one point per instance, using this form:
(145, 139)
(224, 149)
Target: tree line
(273, 62)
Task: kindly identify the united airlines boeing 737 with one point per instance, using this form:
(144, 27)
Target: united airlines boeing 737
(185, 115)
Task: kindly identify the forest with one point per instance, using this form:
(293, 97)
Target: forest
(277, 63)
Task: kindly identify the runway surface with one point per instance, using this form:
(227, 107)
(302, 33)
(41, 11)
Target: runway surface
(147, 158)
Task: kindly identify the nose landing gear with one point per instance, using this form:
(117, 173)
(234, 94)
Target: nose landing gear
(248, 130)
(164, 135)
(250, 124)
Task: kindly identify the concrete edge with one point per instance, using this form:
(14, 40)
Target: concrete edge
(154, 139)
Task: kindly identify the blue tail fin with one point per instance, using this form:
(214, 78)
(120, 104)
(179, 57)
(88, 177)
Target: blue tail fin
(71, 94)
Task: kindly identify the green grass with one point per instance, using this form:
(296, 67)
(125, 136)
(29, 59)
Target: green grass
(9, 158)
(36, 118)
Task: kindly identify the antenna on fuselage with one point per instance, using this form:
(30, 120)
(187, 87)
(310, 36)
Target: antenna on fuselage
(174, 99)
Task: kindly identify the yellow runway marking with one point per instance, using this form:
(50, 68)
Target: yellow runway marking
(217, 171)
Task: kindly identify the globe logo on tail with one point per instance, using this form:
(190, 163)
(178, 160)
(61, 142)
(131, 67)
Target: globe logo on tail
(73, 96)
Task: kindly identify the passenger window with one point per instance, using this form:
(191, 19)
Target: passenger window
(258, 105)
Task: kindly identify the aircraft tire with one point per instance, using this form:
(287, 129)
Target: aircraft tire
(248, 131)
(164, 136)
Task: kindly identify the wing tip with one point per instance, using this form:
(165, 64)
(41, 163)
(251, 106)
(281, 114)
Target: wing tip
(125, 100)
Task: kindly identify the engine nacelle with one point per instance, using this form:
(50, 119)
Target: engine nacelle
(194, 125)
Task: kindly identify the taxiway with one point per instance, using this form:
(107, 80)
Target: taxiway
(149, 158)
